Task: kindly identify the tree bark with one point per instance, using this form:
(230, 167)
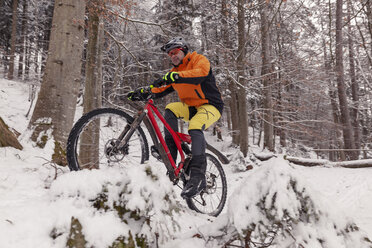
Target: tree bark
(22, 43)
(7, 138)
(281, 88)
(265, 72)
(354, 83)
(242, 102)
(369, 19)
(362, 163)
(93, 90)
(13, 40)
(56, 104)
(232, 86)
(349, 142)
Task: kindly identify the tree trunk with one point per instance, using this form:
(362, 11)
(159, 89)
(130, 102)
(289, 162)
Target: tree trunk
(47, 25)
(56, 104)
(13, 40)
(281, 88)
(22, 50)
(369, 18)
(242, 103)
(354, 83)
(7, 138)
(93, 91)
(265, 72)
(334, 133)
(232, 86)
(345, 115)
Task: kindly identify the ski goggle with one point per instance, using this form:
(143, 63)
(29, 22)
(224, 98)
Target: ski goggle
(174, 51)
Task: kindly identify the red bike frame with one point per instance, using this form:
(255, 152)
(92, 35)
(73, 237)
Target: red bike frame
(177, 137)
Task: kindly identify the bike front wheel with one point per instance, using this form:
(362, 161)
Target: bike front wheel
(212, 200)
(93, 141)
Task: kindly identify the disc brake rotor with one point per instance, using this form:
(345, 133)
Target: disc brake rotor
(211, 183)
(112, 153)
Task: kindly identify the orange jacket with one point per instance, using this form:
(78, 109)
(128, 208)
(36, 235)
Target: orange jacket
(196, 84)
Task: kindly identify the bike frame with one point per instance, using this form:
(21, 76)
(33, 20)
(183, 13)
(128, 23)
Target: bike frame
(150, 110)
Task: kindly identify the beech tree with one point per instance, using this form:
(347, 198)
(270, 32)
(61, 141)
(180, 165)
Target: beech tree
(55, 107)
(93, 82)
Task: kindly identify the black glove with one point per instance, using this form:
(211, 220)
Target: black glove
(171, 77)
(158, 83)
(140, 94)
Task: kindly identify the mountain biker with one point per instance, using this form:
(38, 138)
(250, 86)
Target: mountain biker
(201, 105)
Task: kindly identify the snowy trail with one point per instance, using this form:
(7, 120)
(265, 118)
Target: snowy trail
(350, 189)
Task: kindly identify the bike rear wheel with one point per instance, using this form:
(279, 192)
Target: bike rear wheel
(212, 200)
(93, 140)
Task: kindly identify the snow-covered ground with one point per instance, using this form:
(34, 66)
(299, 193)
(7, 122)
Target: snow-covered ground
(38, 200)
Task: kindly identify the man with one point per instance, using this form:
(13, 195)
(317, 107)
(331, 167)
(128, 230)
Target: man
(201, 105)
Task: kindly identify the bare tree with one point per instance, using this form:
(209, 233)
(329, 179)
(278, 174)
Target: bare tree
(93, 84)
(22, 58)
(339, 69)
(13, 39)
(233, 103)
(354, 82)
(242, 102)
(265, 72)
(56, 104)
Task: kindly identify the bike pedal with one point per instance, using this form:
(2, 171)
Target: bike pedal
(155, 153)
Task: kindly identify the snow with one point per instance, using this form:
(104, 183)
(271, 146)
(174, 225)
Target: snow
(38, 200)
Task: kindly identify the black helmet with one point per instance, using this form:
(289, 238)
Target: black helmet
(174, 43)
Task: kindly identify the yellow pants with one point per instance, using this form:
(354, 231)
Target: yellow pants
(202, 117)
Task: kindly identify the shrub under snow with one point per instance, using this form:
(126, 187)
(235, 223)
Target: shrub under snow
(275, 206)
(129, 206)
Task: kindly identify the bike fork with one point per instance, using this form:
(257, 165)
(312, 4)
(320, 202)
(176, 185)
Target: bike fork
(129, 130)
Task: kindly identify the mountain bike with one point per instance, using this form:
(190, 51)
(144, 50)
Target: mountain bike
(110, 136)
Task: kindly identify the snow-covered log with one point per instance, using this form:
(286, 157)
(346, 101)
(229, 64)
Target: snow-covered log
(263, 156)
(306, 161)
(362, 163)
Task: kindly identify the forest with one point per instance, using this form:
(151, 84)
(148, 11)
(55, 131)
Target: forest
(297, 74)
(295, 77)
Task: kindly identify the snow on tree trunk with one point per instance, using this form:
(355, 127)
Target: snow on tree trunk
(55, 107)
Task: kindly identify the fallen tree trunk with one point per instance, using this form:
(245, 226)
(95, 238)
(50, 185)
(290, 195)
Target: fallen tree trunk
(362, 163)
(306, 161)
(7, 137)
